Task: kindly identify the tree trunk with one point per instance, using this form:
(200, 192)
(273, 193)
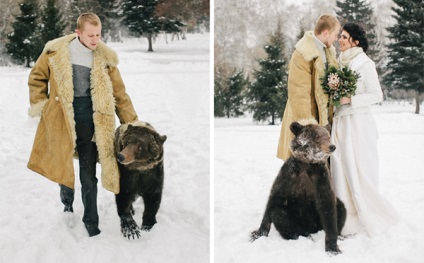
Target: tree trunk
(149, 37)
(272, 120)
(417, 103)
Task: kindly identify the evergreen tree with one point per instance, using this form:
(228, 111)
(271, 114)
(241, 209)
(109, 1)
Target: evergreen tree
(22, 41)
(52, 22)
(168, 25)
(358, 11)
(109, 12)
(406, 52)
(268, 91)
(77, 7)
(218, 98)
(51, 26)
(221, 73)
(141, 19)
(301, 33)
(229, 98)
(111, 15)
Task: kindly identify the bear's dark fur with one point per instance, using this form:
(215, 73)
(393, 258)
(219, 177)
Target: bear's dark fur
(302, 200)
(139, 150)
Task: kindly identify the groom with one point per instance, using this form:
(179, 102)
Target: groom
(307, 103)
(76, 88)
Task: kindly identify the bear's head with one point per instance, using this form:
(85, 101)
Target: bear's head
(139, 147)
(311, 143)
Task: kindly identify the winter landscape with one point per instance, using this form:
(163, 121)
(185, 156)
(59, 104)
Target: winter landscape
(245, 168)
(245, 163)
(170, 89)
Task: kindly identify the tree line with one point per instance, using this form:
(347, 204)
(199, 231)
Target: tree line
(37, 21)
(263, 91)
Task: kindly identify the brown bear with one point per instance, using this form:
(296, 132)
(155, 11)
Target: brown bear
(302, 200)
(139, 150)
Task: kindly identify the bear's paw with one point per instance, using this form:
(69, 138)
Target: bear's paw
(257, 234)
(146, 228)
(129, 228)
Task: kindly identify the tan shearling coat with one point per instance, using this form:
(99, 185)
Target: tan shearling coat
(51, 96)
(307, 101)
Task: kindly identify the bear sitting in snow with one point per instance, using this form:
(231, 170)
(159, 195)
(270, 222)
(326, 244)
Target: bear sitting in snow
(139, 150)
(302, 200)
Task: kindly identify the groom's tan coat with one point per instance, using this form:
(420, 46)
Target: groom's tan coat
(51, 96)
(307, 101)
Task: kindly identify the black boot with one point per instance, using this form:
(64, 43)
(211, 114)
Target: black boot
(67, 198)
(92, 230)
(68, 209)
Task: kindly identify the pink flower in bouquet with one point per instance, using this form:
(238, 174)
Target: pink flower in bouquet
(333, 80)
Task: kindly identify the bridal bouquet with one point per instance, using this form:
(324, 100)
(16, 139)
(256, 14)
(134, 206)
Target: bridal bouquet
(339, 83)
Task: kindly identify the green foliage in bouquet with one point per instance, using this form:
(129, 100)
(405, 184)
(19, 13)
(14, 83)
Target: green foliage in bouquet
(339, 83)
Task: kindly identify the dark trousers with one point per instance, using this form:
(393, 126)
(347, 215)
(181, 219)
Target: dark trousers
(87, 153)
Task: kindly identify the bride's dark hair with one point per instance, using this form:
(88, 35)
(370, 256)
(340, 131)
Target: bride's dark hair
(356, 32)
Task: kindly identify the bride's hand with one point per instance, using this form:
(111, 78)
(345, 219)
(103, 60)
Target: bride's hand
(345, 100)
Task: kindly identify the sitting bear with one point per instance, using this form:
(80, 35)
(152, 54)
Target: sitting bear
(302, 200)
(139, 150)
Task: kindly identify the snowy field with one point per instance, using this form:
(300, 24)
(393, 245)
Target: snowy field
(245, 168)
(170, 89)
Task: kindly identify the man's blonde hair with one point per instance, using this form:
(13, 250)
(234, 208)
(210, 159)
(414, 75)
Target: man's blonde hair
(87, 17)
(325, 22)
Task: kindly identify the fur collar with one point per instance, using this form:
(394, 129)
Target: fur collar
(307, 47)
(109, 55)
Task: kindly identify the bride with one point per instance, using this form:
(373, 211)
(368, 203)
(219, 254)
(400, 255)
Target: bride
(354, 165)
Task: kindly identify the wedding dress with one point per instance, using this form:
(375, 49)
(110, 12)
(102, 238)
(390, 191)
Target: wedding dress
(355, 164)
(355, 172)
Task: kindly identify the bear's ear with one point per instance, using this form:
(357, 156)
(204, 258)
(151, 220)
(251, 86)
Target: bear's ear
(163, 138)
(296, 128)
(328, 127)
(160, 138)
(129, 128)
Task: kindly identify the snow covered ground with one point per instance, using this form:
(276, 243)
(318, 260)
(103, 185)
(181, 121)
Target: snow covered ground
(170, 89)
(245, 168)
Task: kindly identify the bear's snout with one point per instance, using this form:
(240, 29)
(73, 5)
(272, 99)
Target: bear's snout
(332, 148)
(126, 156)
(121, 157)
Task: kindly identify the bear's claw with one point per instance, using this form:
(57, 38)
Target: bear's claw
(332, 249)
(129, 228)
(146, 228)
(257, 234)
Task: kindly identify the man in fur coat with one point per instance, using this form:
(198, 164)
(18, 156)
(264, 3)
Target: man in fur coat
(307, 103)
(76, 88)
